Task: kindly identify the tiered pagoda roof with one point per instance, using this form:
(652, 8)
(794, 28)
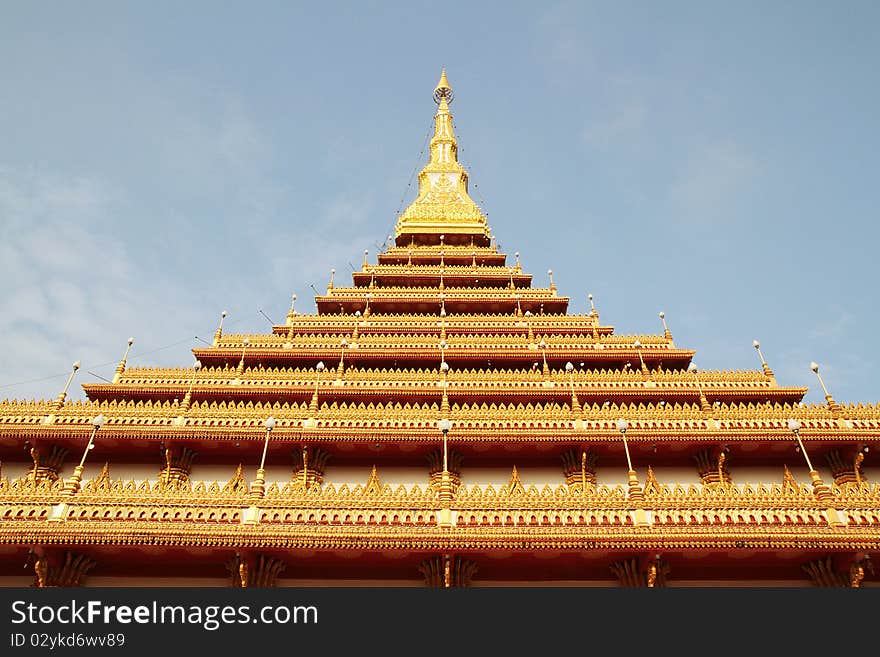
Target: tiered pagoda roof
(445, 327)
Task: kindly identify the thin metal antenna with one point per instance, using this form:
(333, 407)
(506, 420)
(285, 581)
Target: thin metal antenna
(268, 319)
(99, 376)
(200, 340)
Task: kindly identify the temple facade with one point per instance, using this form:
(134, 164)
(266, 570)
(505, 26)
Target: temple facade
(440, 421)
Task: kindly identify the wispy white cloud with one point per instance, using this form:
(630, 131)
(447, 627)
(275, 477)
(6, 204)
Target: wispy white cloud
(833, 326)
(562, 46)
(86, 262)
(73, 291)
(623, 124)
(710, 180)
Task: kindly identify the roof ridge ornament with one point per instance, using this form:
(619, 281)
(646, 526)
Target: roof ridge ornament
(443, 91)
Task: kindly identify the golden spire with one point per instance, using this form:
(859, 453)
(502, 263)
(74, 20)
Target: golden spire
(443, 206)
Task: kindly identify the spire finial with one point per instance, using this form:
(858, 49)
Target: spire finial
(832, 405)
(219, 332)
(767, 371)
(443, 91)
(666, 332)
(120, 369)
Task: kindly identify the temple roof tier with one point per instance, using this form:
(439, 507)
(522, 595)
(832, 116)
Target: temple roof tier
(409, 527)
(354, 383)
(458, 302)
(411, 353)
(457, 255)
(430, 276)
(456, 324)
(769, 418)
(481, 377)
(649, 346)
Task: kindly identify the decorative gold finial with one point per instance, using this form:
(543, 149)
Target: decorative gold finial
(244, 346)
(120, 369)
(704, 403)
(594, 315)
(635, 491)
(292, 312)
(789, 484)
(340, 370)
(219, 332)
(821, 491)
(644, 368)
(832, 405)
(575, 404)
(767, 371)
(443, 91)
(59, 401)
(666, 332)
(187, 398)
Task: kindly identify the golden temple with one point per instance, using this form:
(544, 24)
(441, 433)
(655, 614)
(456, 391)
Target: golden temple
(440, 422)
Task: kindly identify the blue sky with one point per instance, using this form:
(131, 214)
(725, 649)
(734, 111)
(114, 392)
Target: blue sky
(161, 162)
